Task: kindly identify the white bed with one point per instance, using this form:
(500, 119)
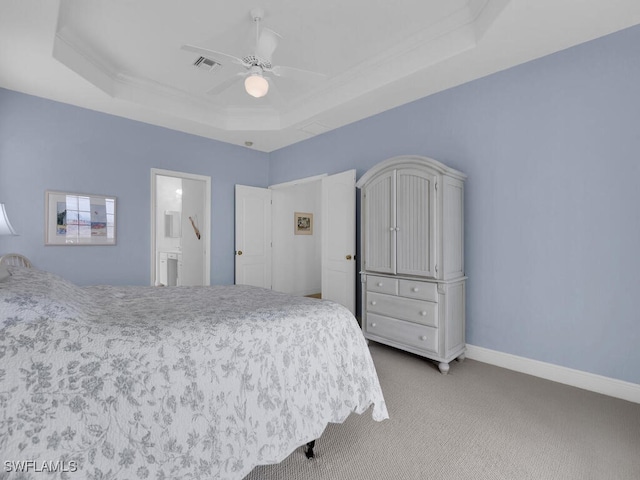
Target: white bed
(183, 382)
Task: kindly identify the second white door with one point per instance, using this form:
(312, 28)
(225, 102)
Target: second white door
(253, 236)
(339, 239)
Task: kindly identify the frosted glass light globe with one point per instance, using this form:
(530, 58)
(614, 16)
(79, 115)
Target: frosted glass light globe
(256, 85)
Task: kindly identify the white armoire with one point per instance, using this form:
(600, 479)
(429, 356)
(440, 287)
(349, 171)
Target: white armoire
(413, 282)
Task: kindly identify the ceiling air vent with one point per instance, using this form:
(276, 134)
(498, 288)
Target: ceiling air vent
(206, 63)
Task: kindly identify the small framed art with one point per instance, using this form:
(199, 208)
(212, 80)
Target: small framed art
(303, 223)
(79, 219)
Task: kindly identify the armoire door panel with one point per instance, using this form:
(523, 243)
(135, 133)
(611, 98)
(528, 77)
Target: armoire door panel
(416, 223)
(379, 209)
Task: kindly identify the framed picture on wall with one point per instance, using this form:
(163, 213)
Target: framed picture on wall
(303, 223)
(79, 219)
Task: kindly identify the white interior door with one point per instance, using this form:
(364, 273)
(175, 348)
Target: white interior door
(253, 236)
(194, 239)
(339, 238)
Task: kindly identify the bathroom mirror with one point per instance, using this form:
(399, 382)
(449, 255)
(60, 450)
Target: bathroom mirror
(172, 224)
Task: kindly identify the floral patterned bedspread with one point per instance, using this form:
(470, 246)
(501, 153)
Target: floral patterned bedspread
(182, 382)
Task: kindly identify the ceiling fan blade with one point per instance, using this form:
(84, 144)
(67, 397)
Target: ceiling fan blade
(267, 44)
(297, 74)
(221, 87)
(205, 52)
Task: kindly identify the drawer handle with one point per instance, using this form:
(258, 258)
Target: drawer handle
(379, 284)
(373, 325)
(423, 313)
(415, 289)
(423, 338)
(374, 302)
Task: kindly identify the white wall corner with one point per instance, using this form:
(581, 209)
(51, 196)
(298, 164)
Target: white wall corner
(568, 376)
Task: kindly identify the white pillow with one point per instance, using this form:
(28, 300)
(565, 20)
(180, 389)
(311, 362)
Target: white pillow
(4, 273)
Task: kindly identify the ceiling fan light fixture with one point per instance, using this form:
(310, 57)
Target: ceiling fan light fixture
(256, 85)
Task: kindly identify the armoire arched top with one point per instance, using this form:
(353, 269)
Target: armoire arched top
(408, 161)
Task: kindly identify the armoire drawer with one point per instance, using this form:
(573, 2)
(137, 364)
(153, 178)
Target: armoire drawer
(420, 290)
(419, 336)
(382, 284)
(417, 311)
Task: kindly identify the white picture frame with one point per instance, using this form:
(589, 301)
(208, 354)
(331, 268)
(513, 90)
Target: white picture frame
(77, 219)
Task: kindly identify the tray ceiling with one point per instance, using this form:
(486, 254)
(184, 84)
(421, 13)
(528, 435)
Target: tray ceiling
(125, 58)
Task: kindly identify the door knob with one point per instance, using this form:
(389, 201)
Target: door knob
(348, 257)
(239, 252)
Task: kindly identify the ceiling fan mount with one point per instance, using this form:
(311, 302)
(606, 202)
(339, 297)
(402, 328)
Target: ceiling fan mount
(254, 61)
(254, 66)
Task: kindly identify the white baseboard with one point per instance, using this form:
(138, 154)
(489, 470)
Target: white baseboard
(576, 378)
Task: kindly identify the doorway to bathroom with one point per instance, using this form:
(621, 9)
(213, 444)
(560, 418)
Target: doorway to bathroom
(180, 228)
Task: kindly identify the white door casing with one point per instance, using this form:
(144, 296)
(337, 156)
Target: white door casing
(253, 236)
(339, 239)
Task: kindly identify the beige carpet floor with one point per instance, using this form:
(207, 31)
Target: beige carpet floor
(479, 422)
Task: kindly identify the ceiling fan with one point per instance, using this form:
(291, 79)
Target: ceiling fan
(256, 67)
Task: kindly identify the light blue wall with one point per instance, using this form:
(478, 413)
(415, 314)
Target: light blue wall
(46, 145)
(552, 150)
